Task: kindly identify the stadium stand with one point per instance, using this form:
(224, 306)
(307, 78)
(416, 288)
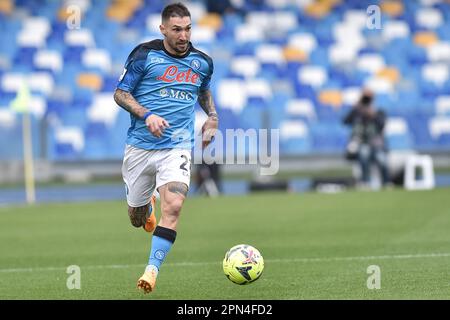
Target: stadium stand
(301, 63)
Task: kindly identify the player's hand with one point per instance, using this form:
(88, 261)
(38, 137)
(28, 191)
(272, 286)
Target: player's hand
(156, 125)
(209, 130)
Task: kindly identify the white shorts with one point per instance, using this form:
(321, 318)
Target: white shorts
(144, 171)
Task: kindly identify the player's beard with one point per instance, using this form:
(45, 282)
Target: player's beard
(180, 48)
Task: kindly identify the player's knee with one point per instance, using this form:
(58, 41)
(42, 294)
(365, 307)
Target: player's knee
(173, 207)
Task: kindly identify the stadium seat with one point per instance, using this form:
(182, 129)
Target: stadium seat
(442, 105)
(296, 145)
(48, 59)
(230, 94)
(246, 66)
(203, 34)
(248, 33)
(97, 58)
(439, 125)
(439, 52)
(288, 60)
(371, 63)
(80, 37)
(395, 29)
(301, 108)
(397, 134)
(69, 142)
(103, 109)
(306, 42)
(437, 73)
(429, 18)
(315, 76)
(258, 88)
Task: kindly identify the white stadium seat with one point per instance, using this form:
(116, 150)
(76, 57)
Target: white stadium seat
(84, 5)
(99, 58)
(103, 109)
(356, 18)
(304, 41)
(248, 33)
(284, 21)
(437, 73)
(41, 82)
(153, 22)
(339, 54)
(439, 52)
(315, 76)
(351, 95)
(34, 32)
(12, 81)
(348, 35)
(438, 126)
(301, 107)
(197, 10)
(230, 94)
(259, 19)
(258, 88)
(293, 129)
(379, 85)
(81, 37)
(70, 135)
(203, 34)
(396, 126)
(49, 59)
(247, 66)
(442, 105)
(270, 53)
(7, 118)
(38, 106)
(370, 62)
(429, 18)
(37, 81)
(395, 29)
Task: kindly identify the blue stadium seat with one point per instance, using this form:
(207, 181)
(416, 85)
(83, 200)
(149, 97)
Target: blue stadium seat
(413, 97)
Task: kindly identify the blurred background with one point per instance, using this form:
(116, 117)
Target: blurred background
(294, 65)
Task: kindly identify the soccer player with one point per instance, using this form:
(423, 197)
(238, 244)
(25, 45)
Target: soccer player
(159, 87)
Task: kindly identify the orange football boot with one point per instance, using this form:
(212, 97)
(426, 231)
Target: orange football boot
(150, 223)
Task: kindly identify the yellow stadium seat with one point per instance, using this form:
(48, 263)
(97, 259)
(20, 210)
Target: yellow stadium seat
(331, 97)
(119, 14)
(6, 6)
(318, 9)
(90, 80)
(425, 38)
(392, 8)
(212, 20)
(295, 54)
(390, 73)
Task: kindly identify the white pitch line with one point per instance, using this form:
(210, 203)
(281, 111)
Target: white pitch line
(192, 264)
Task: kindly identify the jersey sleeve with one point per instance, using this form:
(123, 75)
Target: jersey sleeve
(207, 80)
(134, 70)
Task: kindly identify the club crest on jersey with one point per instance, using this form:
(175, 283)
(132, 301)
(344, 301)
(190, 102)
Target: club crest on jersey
(164, 93)
(172, 74)
(195, 64)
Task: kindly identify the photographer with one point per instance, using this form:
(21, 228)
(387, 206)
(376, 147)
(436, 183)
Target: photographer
(367, 143)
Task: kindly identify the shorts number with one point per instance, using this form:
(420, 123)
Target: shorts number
(183, 165)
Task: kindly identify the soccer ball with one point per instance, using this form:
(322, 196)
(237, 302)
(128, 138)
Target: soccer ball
(243, 264)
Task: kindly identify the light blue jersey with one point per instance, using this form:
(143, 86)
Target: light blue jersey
(168, 86)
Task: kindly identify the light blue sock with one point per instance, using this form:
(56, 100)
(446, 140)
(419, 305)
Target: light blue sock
(162, 241)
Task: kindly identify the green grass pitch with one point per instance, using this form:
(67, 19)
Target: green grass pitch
(315, 246)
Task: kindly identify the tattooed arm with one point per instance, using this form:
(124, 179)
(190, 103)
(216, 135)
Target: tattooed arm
(154, 123)
(127, 102)
(206, 101)
(210, 126)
